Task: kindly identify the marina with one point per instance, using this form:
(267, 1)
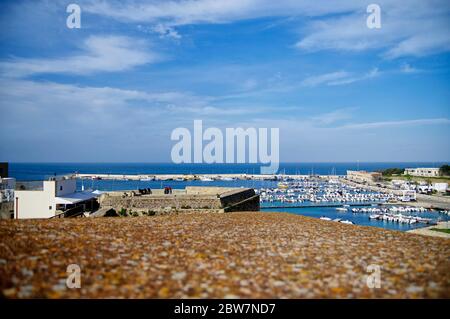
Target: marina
(320, 196)
(331, 197)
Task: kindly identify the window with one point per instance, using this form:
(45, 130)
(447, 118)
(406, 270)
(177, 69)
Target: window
(50, 207)
(60, 188)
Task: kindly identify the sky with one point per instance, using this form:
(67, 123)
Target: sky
(114, 89)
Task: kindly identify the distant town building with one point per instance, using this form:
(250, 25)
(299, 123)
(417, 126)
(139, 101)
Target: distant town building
(56, 195)
(4, 170)
(364, 177)
(423, 172)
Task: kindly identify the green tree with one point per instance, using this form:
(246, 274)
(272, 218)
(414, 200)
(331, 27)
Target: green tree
(444, 170)
(392, 171)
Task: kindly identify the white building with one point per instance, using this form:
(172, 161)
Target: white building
(423, 172)
(56, 196)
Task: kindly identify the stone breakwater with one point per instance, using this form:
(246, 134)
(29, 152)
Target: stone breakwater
(234, 255)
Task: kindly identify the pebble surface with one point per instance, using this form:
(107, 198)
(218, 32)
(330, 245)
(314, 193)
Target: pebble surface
(227, 255)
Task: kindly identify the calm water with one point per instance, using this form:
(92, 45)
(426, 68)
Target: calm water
(42, 171)
(359, 218)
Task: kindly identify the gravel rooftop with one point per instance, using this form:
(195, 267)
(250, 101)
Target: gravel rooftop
(222, 255)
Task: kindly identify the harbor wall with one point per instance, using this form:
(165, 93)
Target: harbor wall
(205, 190)
(240, 200)
(158, 202)
(195, 198)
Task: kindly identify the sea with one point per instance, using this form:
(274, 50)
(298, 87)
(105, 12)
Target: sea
(43, 171)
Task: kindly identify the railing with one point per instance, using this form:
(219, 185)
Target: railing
(71, 212)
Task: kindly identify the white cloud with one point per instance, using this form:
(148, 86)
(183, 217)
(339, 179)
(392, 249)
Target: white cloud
(429, 41)
(211, 11)
(338, 78)
(334, 116)
(415, 28)
(95, 108)
(324, 78)
(376, 125)
(100, 54)
(166, 31)
(407, 68)
(369, 75)
(46, 121)
(93, 105)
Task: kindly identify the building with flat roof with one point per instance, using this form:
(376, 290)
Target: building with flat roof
(422, 171)
(57, 196)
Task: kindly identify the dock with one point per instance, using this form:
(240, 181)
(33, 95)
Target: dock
(321, 205)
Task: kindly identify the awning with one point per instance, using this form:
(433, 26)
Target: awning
(74, 198)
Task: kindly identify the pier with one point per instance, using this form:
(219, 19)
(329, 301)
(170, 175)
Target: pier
(320, 205)
(187, 177)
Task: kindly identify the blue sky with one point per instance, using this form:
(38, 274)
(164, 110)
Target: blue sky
(116, 88)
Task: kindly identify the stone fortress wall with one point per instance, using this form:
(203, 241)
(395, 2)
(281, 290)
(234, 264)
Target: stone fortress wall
(192, 198)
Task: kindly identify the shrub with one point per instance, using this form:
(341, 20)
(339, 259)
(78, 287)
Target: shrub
(393, 171)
